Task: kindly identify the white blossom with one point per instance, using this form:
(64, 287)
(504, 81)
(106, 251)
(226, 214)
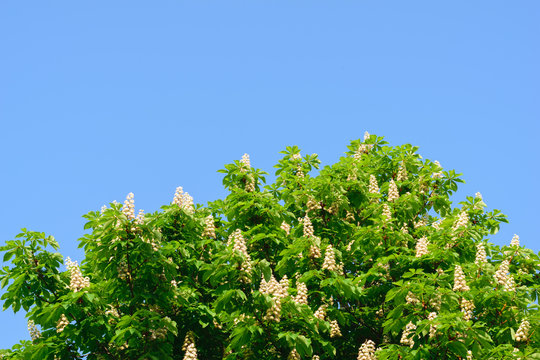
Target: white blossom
(515, 241)
(286, 227)
(189, 347)
(77, 281)
(129, 207)
(209, 227)
(407, 336)
(432, 327)
(236, 239)
(367, 351)
(422, 247)
(62, 323)
(393, 193)
(459, 280)
(329, 259)
(183, 200)
(246, 163)
(467, 308)
(334, 329)
(402, 172)
(373, 186)
(462, 221)
(33, 330)
(386, 212)
(481, 258)
(522, 333)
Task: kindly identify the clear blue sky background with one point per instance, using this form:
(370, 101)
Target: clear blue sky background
(102, 98)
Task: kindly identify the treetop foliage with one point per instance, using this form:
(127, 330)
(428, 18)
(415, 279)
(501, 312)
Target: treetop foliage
(369, 259)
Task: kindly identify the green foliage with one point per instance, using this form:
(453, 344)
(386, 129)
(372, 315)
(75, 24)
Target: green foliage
(227, 280)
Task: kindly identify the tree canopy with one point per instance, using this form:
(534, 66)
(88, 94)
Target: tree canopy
(367, 259)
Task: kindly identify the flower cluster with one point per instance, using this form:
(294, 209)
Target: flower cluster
(467, 308)
(129, 207)
(421, 247)
(246, 163)
(153, 243)
(239, 245)
(314, 251)
(123, 270)
(308, 227)
(139, 220)
(462, 221)
(62, 323)
(386, 212)
(515, 241)
(330, 259)
(77, 281)
(501, 275)
(245, 166)
(367, 351)
(296, 157)
(407, 336)
(393, 193)
(301, 293)
(113, 313)
(334, 329)
(278, 291)
(402, 172)
(411, 299)
(432, 327)
(421, 222)
(469, 355)
(294, 355)
(189, 347)
(459, 280)
(522, 333)
(209, 227)
(183, 200)
(481, 257)
(299, 171)
(373, 186)
(321, 312)
(285, 227)
(510, 284)
(33, 330)
(312, 205)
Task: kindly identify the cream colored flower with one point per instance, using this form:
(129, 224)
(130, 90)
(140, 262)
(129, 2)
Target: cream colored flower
(432, 327)
(77, 281)
(329, 259)
(522, 333)
(515, 241)
(129, 207)
(373, 186)
(367, 351)
(393, 193)
(467, 308)
(209, 227)
(422, 247)
(481, 257)
(407, 336)
(334, 329)
(183, 200)
(459, 280)
(33, 330)
(62, 323)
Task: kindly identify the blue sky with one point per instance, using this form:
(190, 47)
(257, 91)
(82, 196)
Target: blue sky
(99, 99)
